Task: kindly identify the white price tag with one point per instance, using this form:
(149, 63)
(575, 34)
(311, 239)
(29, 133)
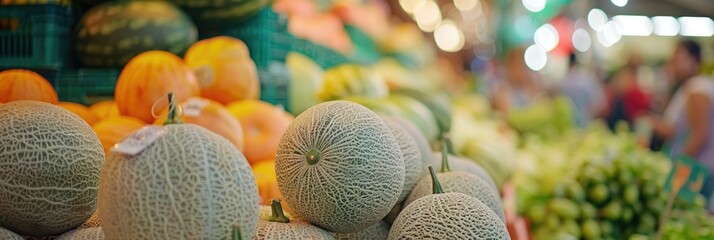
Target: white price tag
(139, 140)
(194, 106)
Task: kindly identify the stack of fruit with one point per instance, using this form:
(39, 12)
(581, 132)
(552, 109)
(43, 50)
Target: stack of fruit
(595, 185)
(340, 167)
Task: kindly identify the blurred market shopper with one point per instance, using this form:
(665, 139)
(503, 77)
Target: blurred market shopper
(583, 88)
(521, 86)
(687, 123)
(626, 100)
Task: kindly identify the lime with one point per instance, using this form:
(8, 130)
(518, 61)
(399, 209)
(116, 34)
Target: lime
(631, 194)
(536, 213)
(564, 208)
(587, 211)
(575, 192)
(590, 229)
(612, 211)
(598, 194)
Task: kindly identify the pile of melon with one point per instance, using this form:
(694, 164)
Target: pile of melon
(336, 171)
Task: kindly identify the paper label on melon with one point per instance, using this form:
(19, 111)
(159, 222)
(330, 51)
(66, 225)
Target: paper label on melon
(139, 140)
(194, 106)
(205, 75)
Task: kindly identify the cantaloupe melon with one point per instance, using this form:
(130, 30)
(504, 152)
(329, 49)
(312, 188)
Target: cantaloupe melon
(410, 155)
(461, 182)
(94, 233)
(93, 221)
(460, 164)
(447, 216)
(420, 139)
(189, 184)
(50, 162)
(339, 167)
(279, 226)
(8, 235)
(378, 231)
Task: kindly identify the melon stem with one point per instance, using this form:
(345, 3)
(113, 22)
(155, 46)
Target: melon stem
(278, 214)
(312, 157)
(446, 146)
(172, 117)
(236, 233)
(444, 157)
(436, 185)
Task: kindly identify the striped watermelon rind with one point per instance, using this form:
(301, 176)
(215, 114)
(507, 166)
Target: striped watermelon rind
(110, 34)
(221, 13)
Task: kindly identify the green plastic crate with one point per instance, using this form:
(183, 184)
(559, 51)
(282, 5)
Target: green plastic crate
(87, 85)
(266, 35)
(323, 56)
(274, 81)
(365, 49)
(35, 36)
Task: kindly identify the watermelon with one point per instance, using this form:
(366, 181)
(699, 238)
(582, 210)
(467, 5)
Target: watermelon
(110, 34)
(220, 13)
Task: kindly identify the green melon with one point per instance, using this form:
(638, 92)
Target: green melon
(94, 233)
(460, 164)
(410, 155)
(8, 235)
(279, 226)
(220, 13)
(438, 103)
(460, 182)
(93, 221)
(417, 113)
(50, 162)
(306, 77)
(189, 184)
(378, 231)
(112, 33)
(447, 216)
(375, 104)
(339, 167)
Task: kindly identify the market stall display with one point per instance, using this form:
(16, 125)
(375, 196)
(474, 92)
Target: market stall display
(373, 119)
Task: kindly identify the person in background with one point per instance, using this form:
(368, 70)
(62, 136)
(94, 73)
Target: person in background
(688, 124)
(520, 87)
(626, 100)
(583, 88)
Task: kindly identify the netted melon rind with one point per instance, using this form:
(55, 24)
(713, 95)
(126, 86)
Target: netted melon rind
(93, 221)
(50, 162)
(460, 164)
(296, 229)
(460, 182)
(360, 174)
(419, 138)
(410, 153)
(94, 233)
(189, 184)
(448, 216)
(378, 231)
(8, 235)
